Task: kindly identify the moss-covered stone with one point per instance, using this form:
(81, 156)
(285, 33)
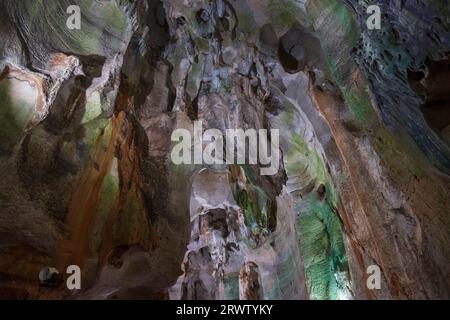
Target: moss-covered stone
(108, 193)
(338, 52)
(101, 22)
(93, 108)
(318, 224)
(231, 286)
(285, 13)
(15, 111)
(258, 208)
(360, 105)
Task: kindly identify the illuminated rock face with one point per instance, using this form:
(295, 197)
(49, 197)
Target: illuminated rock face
(87, 178)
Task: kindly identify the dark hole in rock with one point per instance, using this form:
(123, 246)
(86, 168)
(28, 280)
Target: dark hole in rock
(396, 35)
(192, 108)
(203, 16)
(415, 76)
(433, 88)
(204, 252)
(181, 21)
(216, 219)
(388, 55)
(231, 246)
(298, 50)
(92, 65)
(322, 191)
(274, 105)
(115, 257)
(289, 63)
(272, 218)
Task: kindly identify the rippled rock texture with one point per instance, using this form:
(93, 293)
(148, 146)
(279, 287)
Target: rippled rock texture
(85, 143)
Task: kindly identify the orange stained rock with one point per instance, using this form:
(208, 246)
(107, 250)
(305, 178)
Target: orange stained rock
(85, 200)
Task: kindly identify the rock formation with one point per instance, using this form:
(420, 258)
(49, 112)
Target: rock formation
(85, 149)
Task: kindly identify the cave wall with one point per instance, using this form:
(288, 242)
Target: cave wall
(86, 118)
